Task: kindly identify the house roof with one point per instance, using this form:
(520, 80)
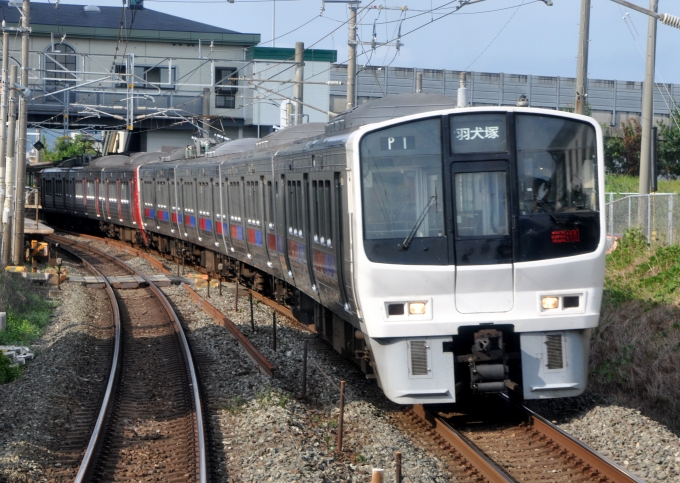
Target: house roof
(143, 24)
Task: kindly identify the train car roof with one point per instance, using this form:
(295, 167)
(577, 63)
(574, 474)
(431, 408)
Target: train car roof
(387, 108)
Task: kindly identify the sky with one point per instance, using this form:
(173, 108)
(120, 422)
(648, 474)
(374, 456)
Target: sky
(511, 36)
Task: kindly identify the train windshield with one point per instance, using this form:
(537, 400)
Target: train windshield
(557, 165)
(401, 172)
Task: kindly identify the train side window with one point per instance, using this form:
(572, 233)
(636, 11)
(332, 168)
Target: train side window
(327, 215)
(234, 201)
(314, 229)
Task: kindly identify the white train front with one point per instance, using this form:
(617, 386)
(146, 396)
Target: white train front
(447, 251)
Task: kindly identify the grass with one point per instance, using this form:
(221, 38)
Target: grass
(615, 183)
(635, 350)
(28, 313)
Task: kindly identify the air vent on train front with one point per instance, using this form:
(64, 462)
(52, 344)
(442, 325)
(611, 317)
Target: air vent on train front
(419, 362)
(554, 346)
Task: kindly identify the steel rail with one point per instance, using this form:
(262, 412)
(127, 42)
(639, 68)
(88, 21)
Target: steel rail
(482, 463)
(260, 360)
(588, 455)
(86, 467)
(186, 352)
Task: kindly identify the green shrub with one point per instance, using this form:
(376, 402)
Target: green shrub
(7, 372)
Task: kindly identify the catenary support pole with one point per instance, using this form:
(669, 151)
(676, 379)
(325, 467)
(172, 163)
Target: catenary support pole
(4, 99)
(582, 62)
(20, 199)
(9, 170)
(352, 56)
(299, 78)
(648, 102)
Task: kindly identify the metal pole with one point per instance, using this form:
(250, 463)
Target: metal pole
(397, 458)
(206, 113)
(654, 160)
(303, 392)
(582, 62)
(352, 56)
(419, 82)
(274, 331)
(9, 170)
(648, 102)
(341, 415)
(3, 116)
(299, 78)
(670, 219)
(252, 318)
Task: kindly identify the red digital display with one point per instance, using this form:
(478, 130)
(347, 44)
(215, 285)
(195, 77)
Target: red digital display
(566, 236)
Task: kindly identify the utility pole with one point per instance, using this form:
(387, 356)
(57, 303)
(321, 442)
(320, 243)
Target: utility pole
(352, 55)
(648, 102)
(3, 117)
(299, 78)
(582, 62)
(18, 245)
(9, 170)
(206, 113)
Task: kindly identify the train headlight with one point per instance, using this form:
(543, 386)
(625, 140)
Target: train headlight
(550, 302)
(416, 308)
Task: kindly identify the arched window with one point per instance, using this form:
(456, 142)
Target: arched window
(60, 68)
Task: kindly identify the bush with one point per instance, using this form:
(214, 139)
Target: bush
(7, 372)
(27, 311)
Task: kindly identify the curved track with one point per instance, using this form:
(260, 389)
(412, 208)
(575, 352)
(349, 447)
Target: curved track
(507, 443)
(150, 426)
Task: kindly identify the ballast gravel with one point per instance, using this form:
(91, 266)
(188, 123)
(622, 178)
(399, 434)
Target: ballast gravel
(263, 430)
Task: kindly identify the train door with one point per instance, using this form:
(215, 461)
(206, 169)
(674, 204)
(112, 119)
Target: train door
(118, 200)
(326, 255)
(96, 197)
(235, 192)
(297, 233)
(162, 194)
(175, 204)
(269, 224)
(222, 226)
(107, 208)
(483, 239)
(254, 233)
(205, 211)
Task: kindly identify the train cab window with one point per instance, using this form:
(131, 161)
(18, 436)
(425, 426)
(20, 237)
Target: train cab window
(401, 181)
(557, 165)
(481, 204)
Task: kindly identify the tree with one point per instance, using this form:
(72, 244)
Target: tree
(622, 153)
(669, 146)
(66, 147)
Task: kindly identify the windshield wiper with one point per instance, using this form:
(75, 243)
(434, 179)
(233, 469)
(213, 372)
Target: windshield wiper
(407, 241)
(550, 212)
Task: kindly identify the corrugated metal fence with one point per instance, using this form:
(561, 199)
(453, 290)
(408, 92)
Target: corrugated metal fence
(503, 89)
(657, 216)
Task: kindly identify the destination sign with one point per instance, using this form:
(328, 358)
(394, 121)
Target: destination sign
(478, 133)
(397, 143)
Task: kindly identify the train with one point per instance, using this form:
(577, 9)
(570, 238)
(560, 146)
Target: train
(449, 252)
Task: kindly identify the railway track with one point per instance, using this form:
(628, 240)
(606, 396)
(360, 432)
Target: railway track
(150, 425)
(516, 445)
(510, 443)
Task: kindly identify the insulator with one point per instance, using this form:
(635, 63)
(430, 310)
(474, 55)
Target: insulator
(671, 20)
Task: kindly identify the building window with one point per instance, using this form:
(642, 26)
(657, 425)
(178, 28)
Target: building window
(225, 87)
